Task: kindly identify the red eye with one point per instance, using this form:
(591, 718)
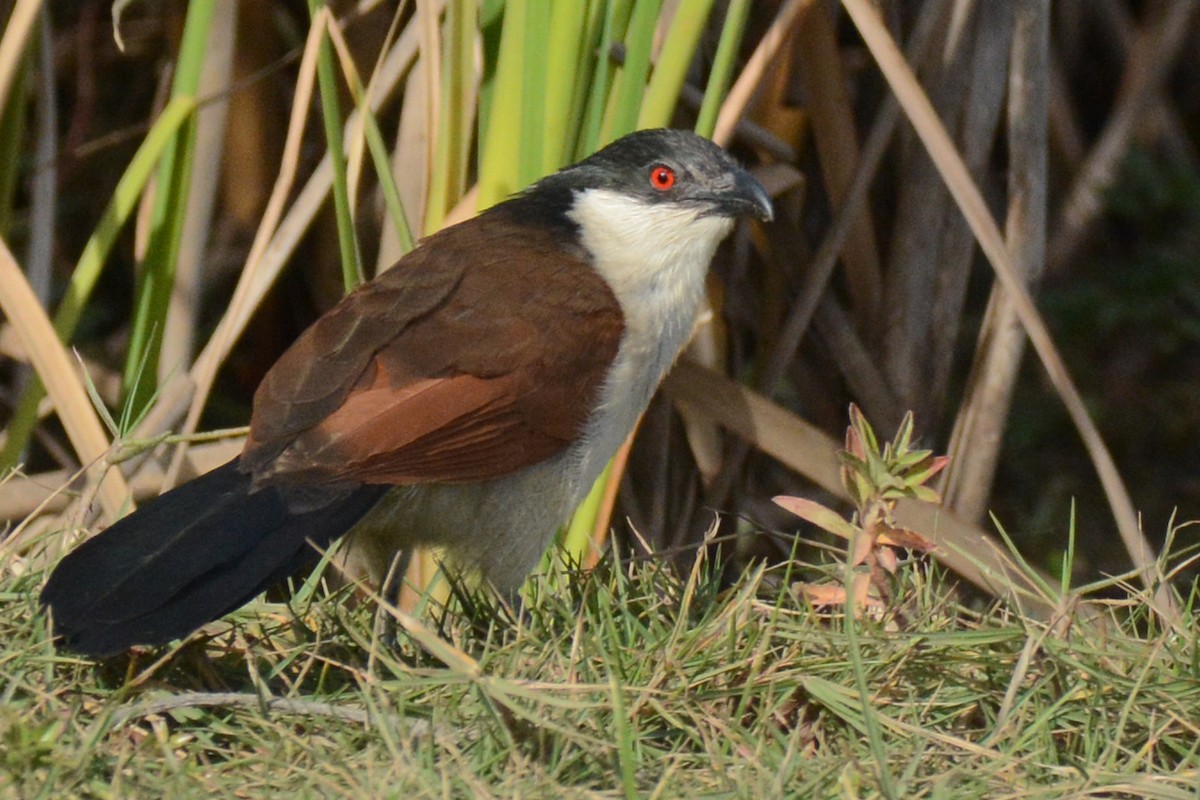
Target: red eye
(662, 177)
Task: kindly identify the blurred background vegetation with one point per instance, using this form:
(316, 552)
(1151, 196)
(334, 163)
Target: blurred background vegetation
(172, 202)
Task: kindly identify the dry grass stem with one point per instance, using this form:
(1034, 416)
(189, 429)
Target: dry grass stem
(62, 381)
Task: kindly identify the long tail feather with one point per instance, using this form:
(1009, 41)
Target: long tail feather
(188, 557)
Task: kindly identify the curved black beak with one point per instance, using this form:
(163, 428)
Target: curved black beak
(755, 195)
(746, 198)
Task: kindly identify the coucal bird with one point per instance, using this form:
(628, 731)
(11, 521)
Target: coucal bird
(467, 398)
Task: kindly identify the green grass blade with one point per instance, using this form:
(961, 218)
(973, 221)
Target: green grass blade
(584, 72)
(724, 62)
(1068, 563)
(331, 116)
(12, 138)
(387, 181)
(153, 294)
(616, 20)
(157, 276)
(491, 34)
(577, 537)
(564, 61)
(95, 254)
(500, 128)
(623, 726)
(534, 109)
(626, 100)
(375, 145)
(678, 51)
(448, 178)
(869, 713)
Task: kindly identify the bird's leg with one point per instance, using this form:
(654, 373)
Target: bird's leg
(389, 593)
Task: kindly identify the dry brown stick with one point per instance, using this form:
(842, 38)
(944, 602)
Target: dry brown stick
(923, 207)
(178, 336)
(43, 201)
(13, 43)
(975, 442)
(1150, 60)
(867, 383)
(923, 118)
(63, 384)
(981, 106)
(836, 142)
(744, 88)
(39, 258)
(1161, 114)
(1064, 128)
(43, 491)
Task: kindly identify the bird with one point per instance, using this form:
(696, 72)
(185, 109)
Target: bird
(467, 398)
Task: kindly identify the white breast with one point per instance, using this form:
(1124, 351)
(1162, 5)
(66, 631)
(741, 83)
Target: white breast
(655, 257)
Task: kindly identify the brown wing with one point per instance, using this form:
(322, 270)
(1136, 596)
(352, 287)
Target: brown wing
(464, 362)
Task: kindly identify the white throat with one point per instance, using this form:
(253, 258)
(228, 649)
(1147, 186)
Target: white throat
(655, 257)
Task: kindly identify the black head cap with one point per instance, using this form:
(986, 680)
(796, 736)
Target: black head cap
(668, 165)
(661, 166)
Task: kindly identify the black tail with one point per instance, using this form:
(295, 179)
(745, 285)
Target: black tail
(189, 557)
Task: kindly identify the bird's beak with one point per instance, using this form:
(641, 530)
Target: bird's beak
(747, 198)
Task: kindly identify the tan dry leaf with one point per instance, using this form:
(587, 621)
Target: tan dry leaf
(903, 537)
(863, 599)
(863, 545)
(832, 594)
(887, 559)
(822, 594)
(811, 511)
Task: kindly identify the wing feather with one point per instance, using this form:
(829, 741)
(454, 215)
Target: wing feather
(469, 360)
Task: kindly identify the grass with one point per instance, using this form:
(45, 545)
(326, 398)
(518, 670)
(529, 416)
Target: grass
(623, 682)
(630, 682)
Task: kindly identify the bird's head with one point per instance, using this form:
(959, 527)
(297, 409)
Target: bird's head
(671, 170)
(649, 205)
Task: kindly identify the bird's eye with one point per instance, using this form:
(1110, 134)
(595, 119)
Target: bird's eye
(662, 177)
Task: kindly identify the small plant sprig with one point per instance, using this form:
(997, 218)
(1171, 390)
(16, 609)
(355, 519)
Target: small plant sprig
(876, 479)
